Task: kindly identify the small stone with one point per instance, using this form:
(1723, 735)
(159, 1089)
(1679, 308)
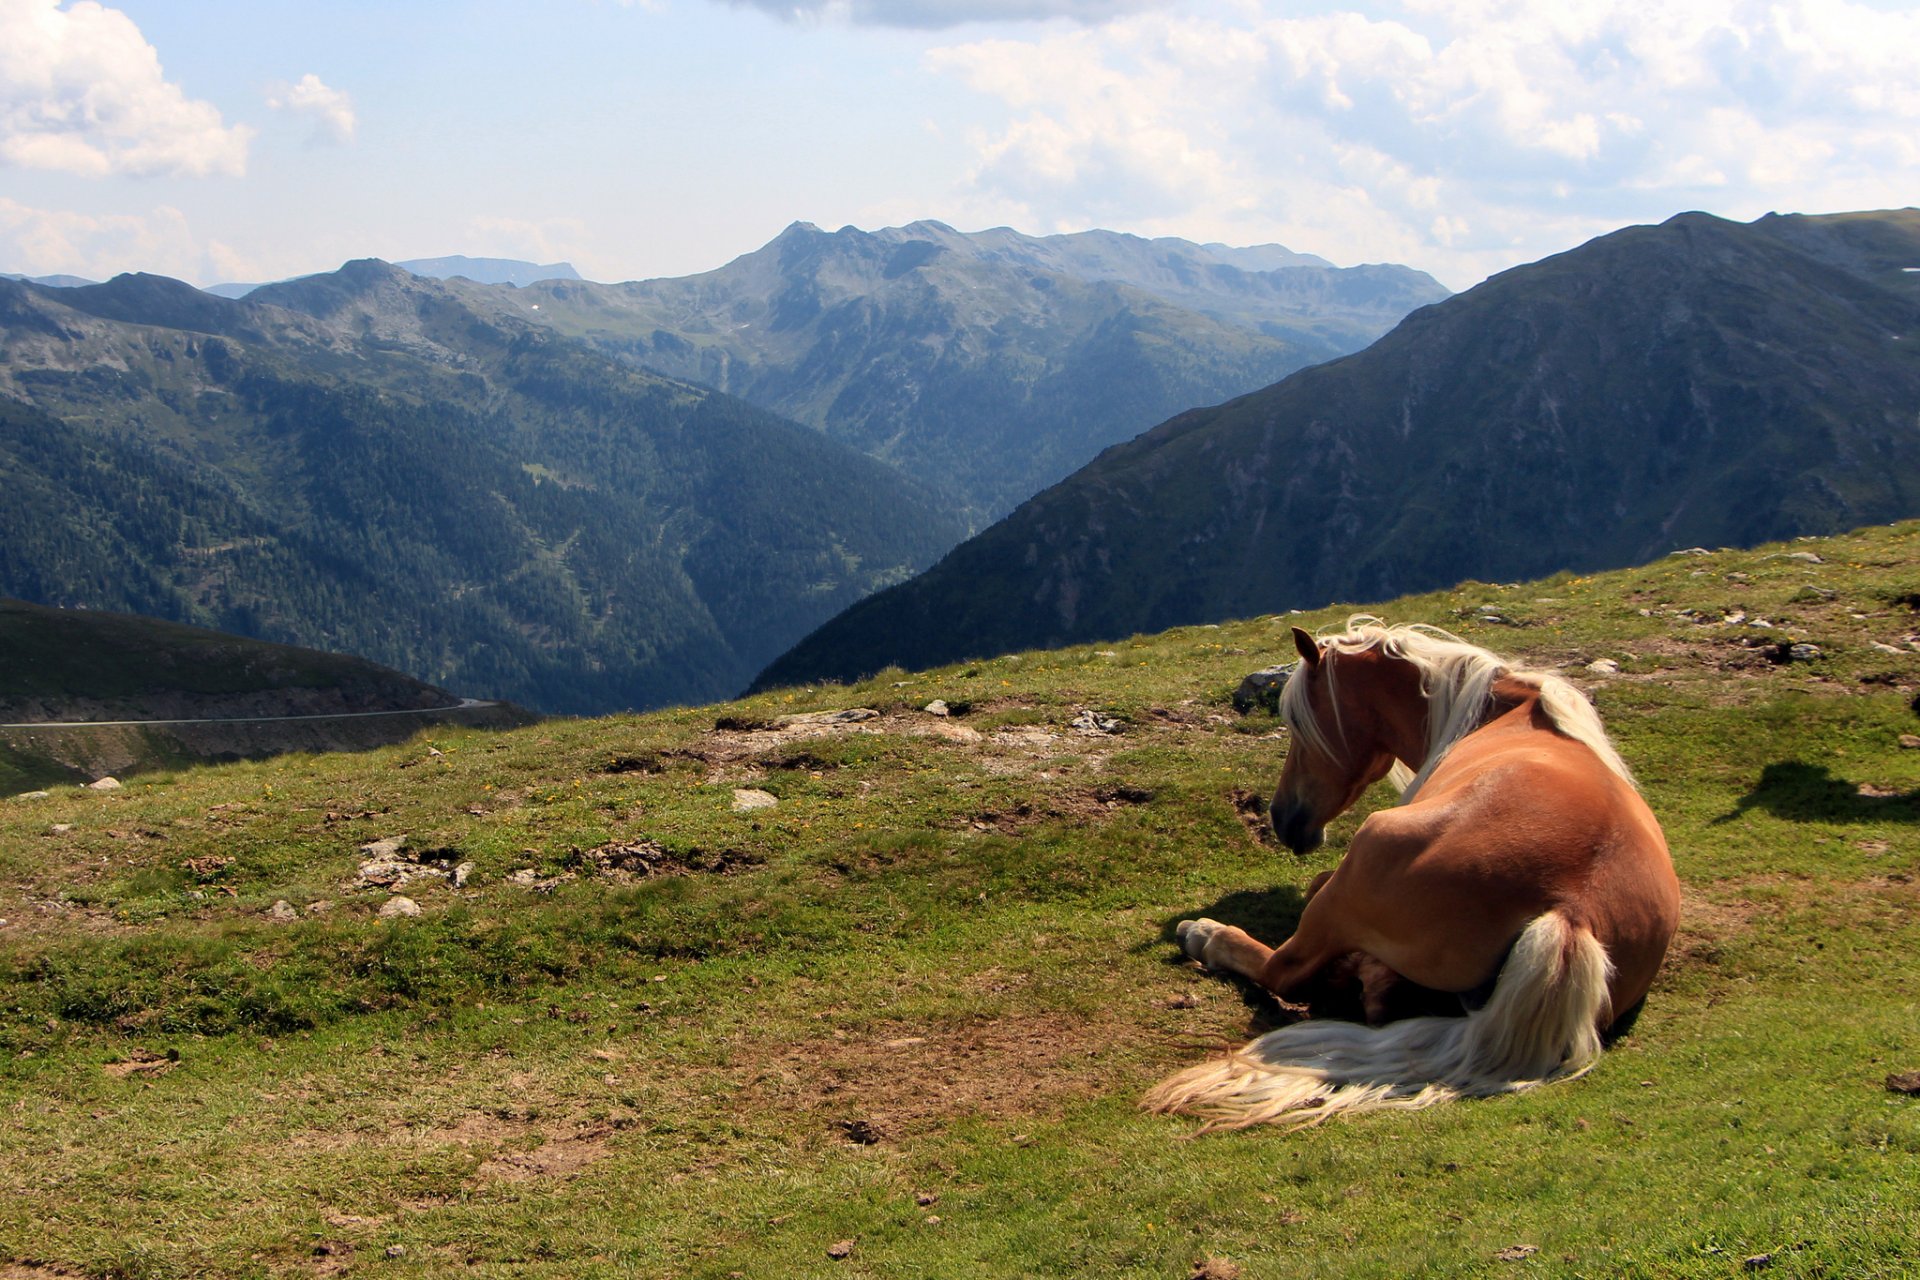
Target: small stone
(933, 1219)
(104, 784)
(938, 707)
(1910, 741)
(1805, 653)
(61, 828)
(34, 795)
(1907, 1082)
(387, 848)
(1757, 1262)
(282, 910)
(1691, 551)
(1603, 667)
(459, 876)
(319, 908)
(1091, 721)
(751, 799)
(396, 1251)
(1515, 1252)
(1882, 647)
(1805, 557)
(395, 907)
(925, 1198)
(840, 1250)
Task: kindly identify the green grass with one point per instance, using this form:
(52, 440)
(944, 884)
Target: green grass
(951, 937)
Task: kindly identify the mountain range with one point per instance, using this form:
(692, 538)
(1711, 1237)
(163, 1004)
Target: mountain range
(469, 482)
(987, 365)
(1697, 382)
(363, 463)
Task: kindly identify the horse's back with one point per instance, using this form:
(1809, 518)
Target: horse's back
(1516, 822)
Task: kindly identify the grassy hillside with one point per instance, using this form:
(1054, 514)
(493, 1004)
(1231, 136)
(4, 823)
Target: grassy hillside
(904, 1014)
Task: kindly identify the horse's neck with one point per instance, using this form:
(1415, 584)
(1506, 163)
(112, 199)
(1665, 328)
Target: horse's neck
(1506, 695)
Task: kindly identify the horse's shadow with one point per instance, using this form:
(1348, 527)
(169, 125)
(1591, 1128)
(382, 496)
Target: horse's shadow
(1802, 792)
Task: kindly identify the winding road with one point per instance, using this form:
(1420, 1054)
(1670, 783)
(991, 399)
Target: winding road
(464, 704)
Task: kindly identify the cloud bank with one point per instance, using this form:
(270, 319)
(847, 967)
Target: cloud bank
(327, 109)
(81, 91)
(1472, 133)
(935, 14)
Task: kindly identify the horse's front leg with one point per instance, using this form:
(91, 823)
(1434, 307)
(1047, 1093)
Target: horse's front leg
(1224, 946)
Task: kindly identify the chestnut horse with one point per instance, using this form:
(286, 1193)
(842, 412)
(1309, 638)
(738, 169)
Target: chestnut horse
(1521, 873)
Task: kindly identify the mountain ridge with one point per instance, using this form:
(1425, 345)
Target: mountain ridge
(1696, 382)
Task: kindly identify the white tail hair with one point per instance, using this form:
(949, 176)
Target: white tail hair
(1456, 678)
(1542, 1023)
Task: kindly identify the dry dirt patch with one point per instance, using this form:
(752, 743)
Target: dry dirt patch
(899, 1080)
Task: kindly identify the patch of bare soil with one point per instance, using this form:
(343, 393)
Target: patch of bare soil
(142, 1062)
(625, 861)
(37, 1271)
(1097, 802)
(1252, 810)
(902, 1080)
(560, 1155)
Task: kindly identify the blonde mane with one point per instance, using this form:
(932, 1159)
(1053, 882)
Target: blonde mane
(1456, 678)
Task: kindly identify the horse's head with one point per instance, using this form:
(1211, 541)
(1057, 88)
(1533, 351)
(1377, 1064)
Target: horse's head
(1345, 708)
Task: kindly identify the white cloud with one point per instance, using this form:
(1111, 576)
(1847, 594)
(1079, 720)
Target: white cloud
(1464, 134)
(329, 110)
(81, 91)
(44, 242)
(933, 14)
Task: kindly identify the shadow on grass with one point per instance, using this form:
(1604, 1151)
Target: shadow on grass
(1801, 792)
(1271, 916)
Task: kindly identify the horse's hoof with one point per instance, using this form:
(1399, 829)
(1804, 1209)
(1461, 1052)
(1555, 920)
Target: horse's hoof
(1194, 934)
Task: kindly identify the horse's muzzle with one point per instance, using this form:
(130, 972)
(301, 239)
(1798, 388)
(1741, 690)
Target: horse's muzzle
(1297, 830)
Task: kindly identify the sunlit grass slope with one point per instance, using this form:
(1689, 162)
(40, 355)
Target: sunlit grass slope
(895, 1023)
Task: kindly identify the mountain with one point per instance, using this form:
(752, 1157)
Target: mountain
(361, 462)
(1697, 382)
(150, 694)
(987, 365)
(479, 270)
(55, 282)
(488, 270)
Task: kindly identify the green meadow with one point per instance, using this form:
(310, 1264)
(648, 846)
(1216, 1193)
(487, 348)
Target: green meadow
(895, 1023)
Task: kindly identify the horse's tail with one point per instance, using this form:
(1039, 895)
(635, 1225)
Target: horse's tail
(1542, 1023)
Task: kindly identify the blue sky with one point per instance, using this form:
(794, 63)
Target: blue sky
(216, 140)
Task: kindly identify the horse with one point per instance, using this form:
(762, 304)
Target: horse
(1522, 879)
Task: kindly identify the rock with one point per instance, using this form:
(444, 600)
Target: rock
(61, 828)
(1882, 647)
(319, 908)
(282, 910)
(852, 715)
(396, 1251)
(104, 784)
(459, 876)
(1910, 741)
(1603, 667)
(1804, 557)
(1809, 595)
(387, 848)
(34, 795)
(1804, 653)
(1262, 689)
(1690, 551)
(1091, 721)
(1515, 1252)
(840, 1250)
(1907, 1082)
(395, 907)
(751, 799)
(937, 707)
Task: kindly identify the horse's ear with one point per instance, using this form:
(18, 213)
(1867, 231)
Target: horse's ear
(1309, 647)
